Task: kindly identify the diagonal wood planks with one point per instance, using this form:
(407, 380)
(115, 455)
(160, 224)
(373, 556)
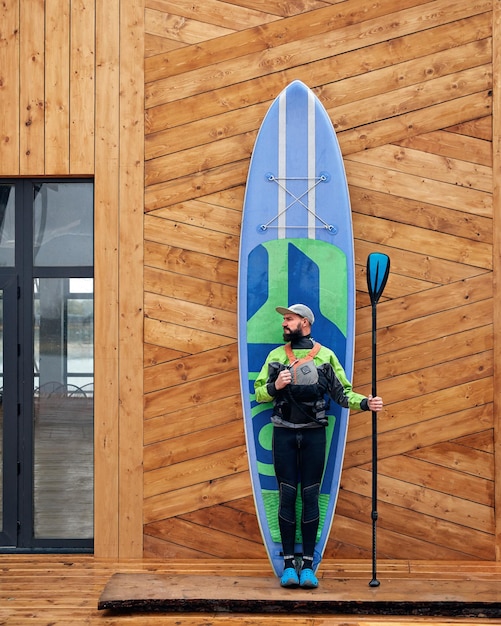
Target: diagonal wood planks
(408, 86)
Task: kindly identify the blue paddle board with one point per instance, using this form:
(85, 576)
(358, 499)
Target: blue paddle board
(296, 246)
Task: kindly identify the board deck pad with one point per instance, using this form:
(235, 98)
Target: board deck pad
(296, 246)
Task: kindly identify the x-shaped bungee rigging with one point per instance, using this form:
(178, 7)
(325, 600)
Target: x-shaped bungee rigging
(322, 178)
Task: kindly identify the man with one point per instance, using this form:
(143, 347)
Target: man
(297, 377)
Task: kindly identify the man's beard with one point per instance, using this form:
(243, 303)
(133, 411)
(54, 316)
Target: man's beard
(292, 335)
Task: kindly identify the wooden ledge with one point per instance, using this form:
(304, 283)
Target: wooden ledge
(453, 596)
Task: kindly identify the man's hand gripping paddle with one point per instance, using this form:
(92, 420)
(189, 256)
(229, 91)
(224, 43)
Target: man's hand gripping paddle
(378, 268)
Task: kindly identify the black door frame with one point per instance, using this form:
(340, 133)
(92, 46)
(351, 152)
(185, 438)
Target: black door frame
(10, 408)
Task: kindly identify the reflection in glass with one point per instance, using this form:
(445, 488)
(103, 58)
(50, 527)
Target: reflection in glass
(63, 407)
(63, 224)
(7, 213)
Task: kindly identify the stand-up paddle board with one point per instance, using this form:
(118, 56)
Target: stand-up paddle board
(296, 246)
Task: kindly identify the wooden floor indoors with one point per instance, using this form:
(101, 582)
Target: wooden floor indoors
(66, 589)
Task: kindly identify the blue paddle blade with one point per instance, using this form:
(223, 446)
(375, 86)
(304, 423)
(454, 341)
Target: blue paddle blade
(378, 268)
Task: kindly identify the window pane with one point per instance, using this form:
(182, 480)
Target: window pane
(7, 212)
(63, 408)
(63, 224)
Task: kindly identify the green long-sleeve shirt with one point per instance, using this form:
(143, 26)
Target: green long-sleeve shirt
(356, 401)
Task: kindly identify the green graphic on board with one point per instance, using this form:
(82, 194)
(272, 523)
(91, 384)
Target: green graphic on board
(332, 287)
(329, 289)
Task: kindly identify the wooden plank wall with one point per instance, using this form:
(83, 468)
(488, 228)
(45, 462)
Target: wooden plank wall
(408, 85)
(71, 102)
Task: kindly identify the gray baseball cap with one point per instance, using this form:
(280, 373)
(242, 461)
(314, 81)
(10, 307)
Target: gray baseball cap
(298, 309)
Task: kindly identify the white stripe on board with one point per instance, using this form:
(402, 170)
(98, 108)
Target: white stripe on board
(312, 166)
(282, 164)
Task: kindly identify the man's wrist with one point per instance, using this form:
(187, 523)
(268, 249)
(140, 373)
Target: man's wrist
(272, 390)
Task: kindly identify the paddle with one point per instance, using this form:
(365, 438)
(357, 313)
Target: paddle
(378, 268)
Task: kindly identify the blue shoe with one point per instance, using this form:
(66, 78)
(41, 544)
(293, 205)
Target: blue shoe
(307, 579)
(289, 578)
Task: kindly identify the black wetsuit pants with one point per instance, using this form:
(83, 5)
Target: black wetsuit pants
(298, 457)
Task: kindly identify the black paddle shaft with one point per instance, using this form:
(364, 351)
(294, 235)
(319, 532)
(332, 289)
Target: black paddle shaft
(378, 268)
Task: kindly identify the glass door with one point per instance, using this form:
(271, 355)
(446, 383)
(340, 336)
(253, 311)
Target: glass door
(46, 365)
(63, 409)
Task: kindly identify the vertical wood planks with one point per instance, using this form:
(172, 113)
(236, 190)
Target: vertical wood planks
(47, 88)
(119, 166)
(32, 96)
(9, 86)
(106, 272)
(71, 95)
(82, 83)
(57, 86)
(131, 277)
